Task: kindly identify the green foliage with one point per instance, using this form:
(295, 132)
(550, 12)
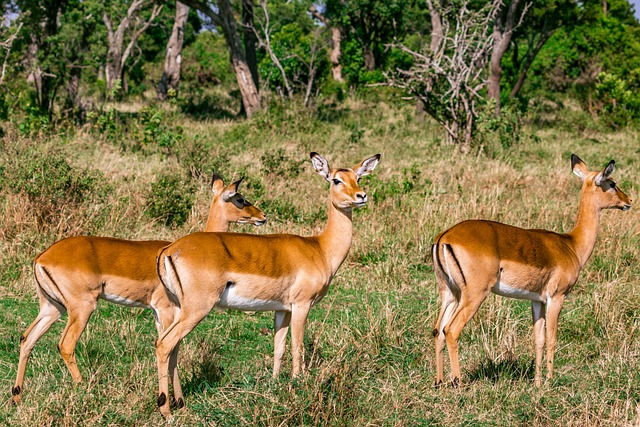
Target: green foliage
(497, 135)
(298, 53)
(44, 174)
(170, 199)
(619, 105)
(278, 162)
(155, 130)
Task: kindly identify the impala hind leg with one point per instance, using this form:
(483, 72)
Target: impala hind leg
(166, 345)
(539, 319)
(281, 327)
(76, 323)
(164, 319)
(469, 304)
(49, 313)
(449, 303)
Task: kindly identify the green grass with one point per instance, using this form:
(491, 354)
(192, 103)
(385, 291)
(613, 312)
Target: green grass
(369, 348)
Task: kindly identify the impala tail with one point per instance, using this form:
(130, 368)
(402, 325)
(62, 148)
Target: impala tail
(47, 287)
(447, 267)
(167, 273)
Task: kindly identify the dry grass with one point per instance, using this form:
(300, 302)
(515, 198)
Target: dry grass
(369, 349)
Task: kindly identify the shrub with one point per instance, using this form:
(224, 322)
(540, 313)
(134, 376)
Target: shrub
(170, 200)
(49, 181)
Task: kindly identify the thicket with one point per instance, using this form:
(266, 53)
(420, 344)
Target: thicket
(564, 52)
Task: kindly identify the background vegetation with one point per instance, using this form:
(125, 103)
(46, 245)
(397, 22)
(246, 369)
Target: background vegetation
(120, 163)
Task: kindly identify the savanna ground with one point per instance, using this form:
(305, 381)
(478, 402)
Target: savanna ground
(369, 349)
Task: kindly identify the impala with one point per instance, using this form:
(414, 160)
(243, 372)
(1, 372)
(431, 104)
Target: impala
(75, 272)
(284, 273)
(476, 257)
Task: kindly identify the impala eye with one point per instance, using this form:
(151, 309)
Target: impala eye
(613, 185)
(242, 201)
(337, 182)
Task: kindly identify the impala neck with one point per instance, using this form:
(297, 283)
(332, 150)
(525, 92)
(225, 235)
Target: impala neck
(216, 222)
(585, 232)
(335, 239)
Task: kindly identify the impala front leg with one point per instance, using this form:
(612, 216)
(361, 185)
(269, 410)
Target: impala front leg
(553, 313)
(281, 327)
(538, 312)
(299, 316)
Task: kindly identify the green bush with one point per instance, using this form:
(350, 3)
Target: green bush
(618, 105)
(170, 200)
(46, 177)
(278, 162)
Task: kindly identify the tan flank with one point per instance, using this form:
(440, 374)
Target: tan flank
(75, 272)
(474, 258)
(284, 273)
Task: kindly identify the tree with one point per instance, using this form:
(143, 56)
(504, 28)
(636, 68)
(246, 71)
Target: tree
(41, 23)
(117, 54)
(447, 76)
(336, 39)
(221, 14)
(173, 58)
(503, 27)
(539, 24)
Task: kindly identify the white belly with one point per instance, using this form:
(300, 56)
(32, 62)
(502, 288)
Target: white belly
(117, 299)
(231, 300)
(505, 290)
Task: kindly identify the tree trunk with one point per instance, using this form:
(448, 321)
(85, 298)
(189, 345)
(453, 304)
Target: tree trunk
(436, 25)
(336, 53)
(502, 31)
(171, 74)
(116, 55)
(248, 90)
(250, 41)
(369, 59)
(336, 38)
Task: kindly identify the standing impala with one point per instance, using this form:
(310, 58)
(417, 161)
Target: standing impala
(476, 257)
(284, 273)
(75, 272)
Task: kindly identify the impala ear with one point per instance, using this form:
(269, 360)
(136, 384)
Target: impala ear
(231, 190)
(606, 173)
(367, 166)
(321, 165)
(579, 167)
(217, 184)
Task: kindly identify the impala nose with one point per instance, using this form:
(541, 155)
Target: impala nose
(361, 198)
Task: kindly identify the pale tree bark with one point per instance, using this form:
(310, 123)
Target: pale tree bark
(503, 27)
(224, 19)
(265, 41)
(336, 40)
(173, 59)
(447, 77)
(116, 55)
(7, 45)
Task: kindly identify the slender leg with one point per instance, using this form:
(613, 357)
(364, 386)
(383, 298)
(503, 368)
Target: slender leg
(166, 345)
(175, 380)
(48, 314)
(298, 323)
(553, 313)
(538, 312)
(164, 318)
(78, 319)
(281, 327)
(466, 310)
(449, 305)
